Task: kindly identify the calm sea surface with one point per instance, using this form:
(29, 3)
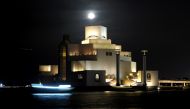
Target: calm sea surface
(102, 99)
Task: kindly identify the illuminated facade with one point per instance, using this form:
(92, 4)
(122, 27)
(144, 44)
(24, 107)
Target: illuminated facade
(48, 72)
(96, 52)
(174, 83)
(94, 62)
(49, 69)
(151, 77)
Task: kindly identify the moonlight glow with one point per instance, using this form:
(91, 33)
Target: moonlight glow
(91, 15)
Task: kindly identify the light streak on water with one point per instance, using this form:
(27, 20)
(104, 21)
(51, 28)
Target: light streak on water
(52, 94)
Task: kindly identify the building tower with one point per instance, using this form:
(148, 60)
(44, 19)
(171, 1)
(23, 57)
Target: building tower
(63, 59)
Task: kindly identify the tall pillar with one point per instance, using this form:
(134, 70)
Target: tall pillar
(117, 68)
(144, 66)
(63, 59)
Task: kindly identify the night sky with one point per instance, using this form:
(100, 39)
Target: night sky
(35, 28)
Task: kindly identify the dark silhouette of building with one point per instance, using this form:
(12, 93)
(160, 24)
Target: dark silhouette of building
(64, 65)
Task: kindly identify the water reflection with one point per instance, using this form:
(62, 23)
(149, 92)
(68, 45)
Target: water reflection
(99, 99)
(106, 99)
(52, 96)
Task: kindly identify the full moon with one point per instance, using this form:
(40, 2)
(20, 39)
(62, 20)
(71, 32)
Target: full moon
(91, 15)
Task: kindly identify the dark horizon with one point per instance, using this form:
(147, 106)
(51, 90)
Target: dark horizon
(36, 28)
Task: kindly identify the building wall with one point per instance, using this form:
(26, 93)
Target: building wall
(47, 73)
(97, 44)
(92, 79)
(151, 76)
(54, 69)
(107, 62)
(125, 68)
(81, 49)
(96, 41)
(97, 35)
(89, 78)
(78, 66)
(125, 53)
(95, 32)
(133, 66)
(107, 46)
(45, 68)
(79, 78)
(48, 69)
(104, 62)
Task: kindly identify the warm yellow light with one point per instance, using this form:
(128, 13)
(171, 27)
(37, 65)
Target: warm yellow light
(133, 67)
(139, 79)
(131, 74)
(64, 54)
(45, 68)
(77, 66)
(108, 80)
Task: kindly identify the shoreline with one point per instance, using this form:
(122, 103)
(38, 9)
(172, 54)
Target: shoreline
(92, 89)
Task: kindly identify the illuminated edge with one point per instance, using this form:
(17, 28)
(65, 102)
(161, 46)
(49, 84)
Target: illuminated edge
(52, 94)
(51, 87)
